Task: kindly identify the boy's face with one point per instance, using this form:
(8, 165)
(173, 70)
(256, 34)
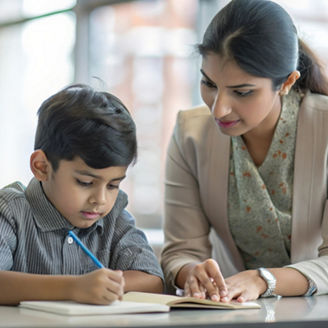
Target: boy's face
(83, 194)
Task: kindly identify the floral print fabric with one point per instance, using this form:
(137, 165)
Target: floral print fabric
(260, 198)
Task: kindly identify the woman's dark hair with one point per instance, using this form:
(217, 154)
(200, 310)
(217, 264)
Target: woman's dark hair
(261, 37)
(81, 122)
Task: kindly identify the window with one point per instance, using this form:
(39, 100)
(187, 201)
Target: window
(311, 21)
(35, 61)
(141, 50)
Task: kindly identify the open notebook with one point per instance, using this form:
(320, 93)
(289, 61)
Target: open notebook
(134, 302)
(72, 308)
(186, 302)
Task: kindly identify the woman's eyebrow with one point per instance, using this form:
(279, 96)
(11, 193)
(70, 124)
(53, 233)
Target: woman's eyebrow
(243, 85)
(201, 70)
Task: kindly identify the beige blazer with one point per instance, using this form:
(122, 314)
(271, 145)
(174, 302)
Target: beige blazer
(196, 195)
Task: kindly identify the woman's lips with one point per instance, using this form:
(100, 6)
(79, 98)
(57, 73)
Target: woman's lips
(226, 124)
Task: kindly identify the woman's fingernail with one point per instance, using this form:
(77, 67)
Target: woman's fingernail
(224, 299)
(223, 293)
(197, 295)
(215, 298)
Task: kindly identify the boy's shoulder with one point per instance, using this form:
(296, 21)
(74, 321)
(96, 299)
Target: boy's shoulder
(13, 191)
(10, 194)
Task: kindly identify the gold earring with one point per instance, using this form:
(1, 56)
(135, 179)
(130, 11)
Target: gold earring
(284, 92)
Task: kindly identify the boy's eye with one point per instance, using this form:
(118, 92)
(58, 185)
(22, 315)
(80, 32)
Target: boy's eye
(83, 184)
(243, 93)
(208, 83)
(111, 186)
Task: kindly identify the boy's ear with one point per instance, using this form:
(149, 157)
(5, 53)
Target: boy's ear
(40, 166)
(287, 85)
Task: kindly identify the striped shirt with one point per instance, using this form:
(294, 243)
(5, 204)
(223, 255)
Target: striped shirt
(34, 237)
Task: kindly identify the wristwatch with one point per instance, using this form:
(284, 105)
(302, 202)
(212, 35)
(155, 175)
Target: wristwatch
(270, 280)
(312, 288)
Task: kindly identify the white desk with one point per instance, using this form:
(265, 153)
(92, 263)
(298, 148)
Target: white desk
(296, 312)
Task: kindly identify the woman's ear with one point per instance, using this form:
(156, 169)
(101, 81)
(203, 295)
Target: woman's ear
(40, 166)
(287, 85)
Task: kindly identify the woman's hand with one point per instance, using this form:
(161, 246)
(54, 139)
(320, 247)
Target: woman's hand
(102, 286)
(245, 286)
(205, 280)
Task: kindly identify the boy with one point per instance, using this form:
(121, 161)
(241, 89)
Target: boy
(84, 142)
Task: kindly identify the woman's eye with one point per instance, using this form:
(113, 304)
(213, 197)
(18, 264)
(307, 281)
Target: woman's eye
(243, 93)
(83, 184)
(208, 83)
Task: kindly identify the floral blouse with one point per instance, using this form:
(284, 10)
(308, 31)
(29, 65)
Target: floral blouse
(260, 198)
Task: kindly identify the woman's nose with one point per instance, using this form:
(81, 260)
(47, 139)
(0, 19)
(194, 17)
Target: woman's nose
(221, 105)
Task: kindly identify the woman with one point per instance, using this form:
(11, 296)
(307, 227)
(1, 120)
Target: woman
(249, 168)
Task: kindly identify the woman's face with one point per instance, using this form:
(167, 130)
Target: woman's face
(240, 103)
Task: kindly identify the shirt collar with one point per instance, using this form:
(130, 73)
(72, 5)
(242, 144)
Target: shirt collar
(45, 214)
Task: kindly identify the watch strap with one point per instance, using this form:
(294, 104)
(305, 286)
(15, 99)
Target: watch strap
(270, 280)
(312, 287)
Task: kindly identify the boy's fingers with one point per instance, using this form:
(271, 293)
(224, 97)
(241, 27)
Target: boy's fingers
(110, 297)
(115, 275)
(114, 284)
(115, 288)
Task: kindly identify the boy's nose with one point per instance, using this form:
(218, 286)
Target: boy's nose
(98, 197)
(221, 106)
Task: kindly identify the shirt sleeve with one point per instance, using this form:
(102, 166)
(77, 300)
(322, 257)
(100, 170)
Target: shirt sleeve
(186, 227)
(317, 269)
(131, 250)
(8, 238)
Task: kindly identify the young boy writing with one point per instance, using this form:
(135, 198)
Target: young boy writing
(85, 140)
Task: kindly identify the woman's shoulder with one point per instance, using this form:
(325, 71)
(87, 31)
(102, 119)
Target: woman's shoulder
(196, 132)
(196, 111)
(315, 101)
(194, 121)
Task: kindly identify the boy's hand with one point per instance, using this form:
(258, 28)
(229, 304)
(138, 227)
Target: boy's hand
(205, 279)
(102, 286)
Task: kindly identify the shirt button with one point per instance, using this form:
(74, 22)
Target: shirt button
(70, 240)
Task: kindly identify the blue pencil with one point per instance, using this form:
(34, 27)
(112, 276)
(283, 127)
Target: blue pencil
(85, 250)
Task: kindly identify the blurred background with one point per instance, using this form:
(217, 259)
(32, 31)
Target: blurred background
(140, 50)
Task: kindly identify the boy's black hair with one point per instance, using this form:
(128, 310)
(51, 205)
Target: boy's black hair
(81, 122)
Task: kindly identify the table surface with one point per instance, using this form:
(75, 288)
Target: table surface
(289, 312)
